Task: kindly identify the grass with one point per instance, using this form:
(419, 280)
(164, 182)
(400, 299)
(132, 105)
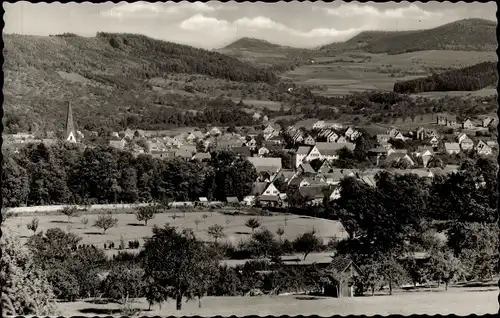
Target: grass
(341, 74)
(459, 301)
(263, 103)
(129, 228)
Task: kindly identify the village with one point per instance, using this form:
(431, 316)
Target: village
(308, 141)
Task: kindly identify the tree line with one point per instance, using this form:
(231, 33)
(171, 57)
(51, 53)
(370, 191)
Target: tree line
(64, 173)
(471, 78)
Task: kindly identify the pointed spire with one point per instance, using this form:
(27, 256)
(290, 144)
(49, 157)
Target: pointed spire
(70, 127)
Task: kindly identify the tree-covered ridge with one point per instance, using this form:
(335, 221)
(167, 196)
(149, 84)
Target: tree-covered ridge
(247, 43)
(128, 55)
(470, 78)
(463, 35)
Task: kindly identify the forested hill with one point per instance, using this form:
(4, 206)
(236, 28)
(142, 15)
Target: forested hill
(470, 78)
(111, 77)
(462, 35)
(124, 54)
(253, 44)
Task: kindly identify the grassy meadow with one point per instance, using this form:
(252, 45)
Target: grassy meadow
(349, 72)
(459, 301)
(129, 228)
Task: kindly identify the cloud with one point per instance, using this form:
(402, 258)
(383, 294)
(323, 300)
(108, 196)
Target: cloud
(411, 11)
(210, 25)
(148, 10)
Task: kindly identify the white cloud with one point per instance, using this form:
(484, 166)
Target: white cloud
(205, 24)
(245, 26)
(147, 10)
(411, 11)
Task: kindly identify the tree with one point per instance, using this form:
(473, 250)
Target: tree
(307, 243)
(105, 222)
(84, 221)
(24, 286)
(64, 284)
(70, 211)
(146, 213)
(392, 271)
(124, 282)
(280, 232)
(197, 222)
(216, 232)
(252, 223)
(371, 277)
(445, 267)
(263, 243)
(178, 264)
(33, 225)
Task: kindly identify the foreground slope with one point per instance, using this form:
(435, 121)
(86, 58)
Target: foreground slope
(107, 77)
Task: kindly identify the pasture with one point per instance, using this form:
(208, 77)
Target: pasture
(129, 228)
(459, 301)
(275, 106)
(342, 74)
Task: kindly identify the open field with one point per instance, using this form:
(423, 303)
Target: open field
(460, 301)
(262, 103)
(342, 74)
(129, 228)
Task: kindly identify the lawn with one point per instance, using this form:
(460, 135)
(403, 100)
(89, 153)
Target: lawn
(342, 74)
(129, 228)
(275, 106)
(460, 301)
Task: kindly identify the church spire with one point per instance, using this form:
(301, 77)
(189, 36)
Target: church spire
(70, 127)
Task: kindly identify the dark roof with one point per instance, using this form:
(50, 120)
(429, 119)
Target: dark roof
(258, 188)
(244, 151)
(272, 198)
(314, 192)
(306, 167)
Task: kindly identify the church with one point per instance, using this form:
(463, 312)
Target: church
(71, 134)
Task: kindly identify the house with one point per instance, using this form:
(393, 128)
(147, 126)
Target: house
(461, 136)
(312, 194)
(341, 140)
(399, 136)
(270, 196)
(202, 156)
(251, 132)
(214, 131)
(274, 140)
(256, 116)
(487, 122)
(452, 124)
(270, 129)
(309, 140)
(242, 151)
(467, 124)
(301, 154)
(118, 144)
(383, 139)
(228, 144)
(349, 132)
(319, 124)
(420, 133)
(262, 151)
(466, 144)
(329, 150)
(434, 142)
(233, 200)
(441, 120)
(397, 157)
(285, 175)
(452, 147)
(325, 167)
(306, 169)
(313, 154)
(339, 277)
(270, 165)
(332, 137)
(482, 148)
(492, 144)
(393, 132)
(185, 152)
(425, 153)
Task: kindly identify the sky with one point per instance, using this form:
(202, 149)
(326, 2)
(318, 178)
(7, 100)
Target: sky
(214, 24)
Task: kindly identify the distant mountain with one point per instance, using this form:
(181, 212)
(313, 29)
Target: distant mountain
(253, 44)
(462, 35)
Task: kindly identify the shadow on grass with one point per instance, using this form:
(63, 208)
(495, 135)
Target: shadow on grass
(100, 311)
(242, 233)
(60, 222)
(482, 290)
(25, 236)
(135, 224)
(308, 297)
(93, 233)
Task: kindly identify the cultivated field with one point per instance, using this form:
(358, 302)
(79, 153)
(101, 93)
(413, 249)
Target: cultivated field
(129, 228)
(460, 301)
(346, 73)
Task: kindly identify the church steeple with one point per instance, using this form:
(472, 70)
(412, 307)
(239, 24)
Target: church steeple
(70, 135)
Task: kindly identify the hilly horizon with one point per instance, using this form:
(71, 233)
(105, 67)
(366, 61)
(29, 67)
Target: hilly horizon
(466, 34)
